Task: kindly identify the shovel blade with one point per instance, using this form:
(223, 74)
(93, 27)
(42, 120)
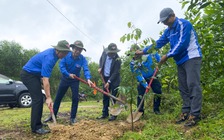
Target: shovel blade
(136, 116)
(53, 118)
(115, 111)
(55, 127)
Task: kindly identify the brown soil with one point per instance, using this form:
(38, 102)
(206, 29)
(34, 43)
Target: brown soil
(84, 129)
(92, 130)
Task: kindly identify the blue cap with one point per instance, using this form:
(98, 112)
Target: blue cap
(164, 14)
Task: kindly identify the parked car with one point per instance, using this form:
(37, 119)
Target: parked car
(14, 93)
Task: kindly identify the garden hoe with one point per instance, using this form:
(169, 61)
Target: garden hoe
(135, 116)
(115, 109)
(100, 90)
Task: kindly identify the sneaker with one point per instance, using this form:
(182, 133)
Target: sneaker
(41, 131)
(192, 121)
(112, 118)
(102, 117)
(73, 121)
(157, 112)
(183, 118)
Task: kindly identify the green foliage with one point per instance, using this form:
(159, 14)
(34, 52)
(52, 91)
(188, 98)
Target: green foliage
(135, 34)
(13, 57)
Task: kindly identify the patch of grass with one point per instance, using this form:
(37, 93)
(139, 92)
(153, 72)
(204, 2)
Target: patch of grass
(16, 117)
(157, 127)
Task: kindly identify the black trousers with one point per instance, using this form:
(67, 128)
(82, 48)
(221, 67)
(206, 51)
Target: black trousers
(156, 88)
(33, 83)
(106, 99)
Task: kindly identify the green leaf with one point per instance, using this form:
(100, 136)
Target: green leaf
(128, 37)
(221, 4)
(122, 39)
(184, 4)
(204, 5)
(153, 43)
(132, 36)
(191, 7)
(129, 24)
(138, 32)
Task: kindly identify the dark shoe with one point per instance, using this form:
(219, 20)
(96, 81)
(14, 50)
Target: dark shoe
(157, 112)
(192, 121)
(112, 118)
(102, 117)
(41, 131)
(183, 118)
(48, 119)
(73, 121)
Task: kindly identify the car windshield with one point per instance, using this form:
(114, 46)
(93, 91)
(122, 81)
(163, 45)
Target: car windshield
(4, 79)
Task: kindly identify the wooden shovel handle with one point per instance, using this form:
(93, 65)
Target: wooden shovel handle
(100, 90)
(104, 82)
(147, 89)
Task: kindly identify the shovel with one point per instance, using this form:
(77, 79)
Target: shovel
(52, 125)
(114, 109)
(135, 116)
(53, 116)
(100, 90)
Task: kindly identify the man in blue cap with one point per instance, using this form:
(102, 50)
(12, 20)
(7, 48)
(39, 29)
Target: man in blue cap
(38, 69)
(186, 51)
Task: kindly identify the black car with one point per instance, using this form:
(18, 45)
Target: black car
(14, 93)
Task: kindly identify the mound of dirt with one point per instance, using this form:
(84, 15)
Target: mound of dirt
(92, 130)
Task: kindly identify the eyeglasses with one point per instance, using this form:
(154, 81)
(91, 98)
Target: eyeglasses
(77, 49)
(165, 21)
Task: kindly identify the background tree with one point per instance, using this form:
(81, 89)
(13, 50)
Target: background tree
(13, 57)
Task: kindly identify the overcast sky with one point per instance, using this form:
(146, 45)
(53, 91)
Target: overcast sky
(37, 24)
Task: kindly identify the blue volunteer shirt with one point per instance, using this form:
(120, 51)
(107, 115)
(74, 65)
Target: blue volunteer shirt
(144, 70)
(70, 65)
(42, 63)
(183, 41)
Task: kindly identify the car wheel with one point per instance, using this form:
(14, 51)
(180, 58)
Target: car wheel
(25, 100)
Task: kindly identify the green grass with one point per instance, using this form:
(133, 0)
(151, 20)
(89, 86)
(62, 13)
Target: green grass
(157, 127)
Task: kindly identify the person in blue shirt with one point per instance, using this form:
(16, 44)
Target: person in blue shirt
(186, 51)
(69, 66)
(144, 72)
(109, 67)
(38, 69)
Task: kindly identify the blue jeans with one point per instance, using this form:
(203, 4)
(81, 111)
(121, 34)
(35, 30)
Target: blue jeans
(65, 83)
(156, 88)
